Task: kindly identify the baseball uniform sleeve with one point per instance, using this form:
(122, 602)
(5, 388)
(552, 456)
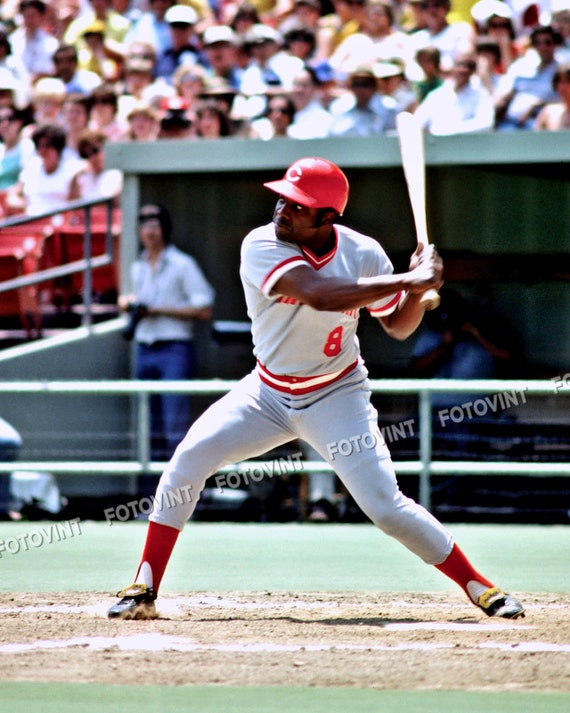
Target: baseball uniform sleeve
(264, 259)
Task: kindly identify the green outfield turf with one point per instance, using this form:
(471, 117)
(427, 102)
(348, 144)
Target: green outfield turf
(54, 557)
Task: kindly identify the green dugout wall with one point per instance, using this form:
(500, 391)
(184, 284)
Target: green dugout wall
(498, 209)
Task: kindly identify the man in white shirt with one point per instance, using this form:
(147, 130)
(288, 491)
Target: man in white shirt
(312, 120)
(461, 105)
(31, 42)
(169, 294)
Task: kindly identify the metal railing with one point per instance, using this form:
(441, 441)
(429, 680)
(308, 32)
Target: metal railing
(86, 265)
(424, 467)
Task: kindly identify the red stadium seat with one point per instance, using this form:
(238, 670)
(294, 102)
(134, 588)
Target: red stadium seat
(22, 302)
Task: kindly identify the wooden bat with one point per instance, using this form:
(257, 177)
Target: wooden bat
(410, 136)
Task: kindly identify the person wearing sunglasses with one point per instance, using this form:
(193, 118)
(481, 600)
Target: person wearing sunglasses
(527, 85)
(94, 180)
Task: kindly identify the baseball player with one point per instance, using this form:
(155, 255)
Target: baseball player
(306, 277)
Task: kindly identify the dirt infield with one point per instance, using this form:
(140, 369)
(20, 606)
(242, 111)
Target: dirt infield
(385, 641)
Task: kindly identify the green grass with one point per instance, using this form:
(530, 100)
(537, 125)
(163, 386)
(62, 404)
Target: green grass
(288, 557)
(250, 557)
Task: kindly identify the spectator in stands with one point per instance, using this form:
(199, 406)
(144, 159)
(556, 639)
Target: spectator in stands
(489, 64)
(560, 22)
(47, 101)
(169, 293)
(76, 113)
(104, 113)
(304, 13)
(240, 18)
(45, 182)
(143, 123)
(312, 120)
(66, 63)
(115, 28)
(212, 121)
(363, 111)
(13, 64)
(461, 105)
(219, 50)
(377, 39)
(555, 116)
(184, 45)
(527, 85)
(94, 56)
(334, 27)
(494, 22)
(15, 148)
(152, 27)
(270, 65)
(95, 181)
(429, 60)
(32, 42)
(451, 39)
(190, 83)
(393, 83)
(139, 83)
(174, 121)
(301, 42)
(277, 118)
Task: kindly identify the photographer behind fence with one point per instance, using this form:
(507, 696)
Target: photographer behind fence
(169, 292)
(458, 341)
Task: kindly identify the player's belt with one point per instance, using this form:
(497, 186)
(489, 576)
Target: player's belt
(300, 384)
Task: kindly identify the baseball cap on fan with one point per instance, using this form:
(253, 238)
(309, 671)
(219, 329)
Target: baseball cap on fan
(315, 183)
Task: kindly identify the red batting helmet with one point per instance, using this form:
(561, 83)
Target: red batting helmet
(315, 183)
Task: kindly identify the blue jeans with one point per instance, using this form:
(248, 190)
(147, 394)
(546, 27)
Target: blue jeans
(10, 445)
(170, 415)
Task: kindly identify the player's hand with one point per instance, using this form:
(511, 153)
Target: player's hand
(426, 269)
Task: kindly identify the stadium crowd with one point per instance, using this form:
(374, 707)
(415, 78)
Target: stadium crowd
(145, 70)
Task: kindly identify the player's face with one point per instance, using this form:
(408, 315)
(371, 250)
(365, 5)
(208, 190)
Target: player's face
(295, 223)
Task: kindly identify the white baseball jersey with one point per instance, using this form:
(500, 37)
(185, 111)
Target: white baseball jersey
(298, 348)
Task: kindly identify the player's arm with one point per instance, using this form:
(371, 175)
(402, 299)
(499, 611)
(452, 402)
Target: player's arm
(334, 295)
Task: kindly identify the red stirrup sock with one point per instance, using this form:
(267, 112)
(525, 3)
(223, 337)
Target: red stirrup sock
(160, 541)
(458, 568)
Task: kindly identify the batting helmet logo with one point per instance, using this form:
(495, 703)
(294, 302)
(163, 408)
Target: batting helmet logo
(315, 183)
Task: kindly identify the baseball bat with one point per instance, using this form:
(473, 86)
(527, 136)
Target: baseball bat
(411, 139)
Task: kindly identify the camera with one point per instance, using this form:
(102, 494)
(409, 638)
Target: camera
(136, 313)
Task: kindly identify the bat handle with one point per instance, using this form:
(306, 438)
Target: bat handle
(430, 300)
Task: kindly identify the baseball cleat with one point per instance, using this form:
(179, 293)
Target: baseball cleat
(494, 602)
(137, 602)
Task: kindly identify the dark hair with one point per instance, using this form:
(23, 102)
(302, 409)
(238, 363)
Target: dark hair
(65, 49)
(83, 100)
(212, 105)
(301, 33)
(88, 139)
(290, 105)
(4, 38)
(489, 21)
(39, 5)
(486, 45)
(245, 11)
(545, 30)
(154, 211)
(106, 94)
(53, 133)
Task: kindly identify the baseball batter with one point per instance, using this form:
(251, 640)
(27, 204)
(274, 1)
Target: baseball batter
(306, 278)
